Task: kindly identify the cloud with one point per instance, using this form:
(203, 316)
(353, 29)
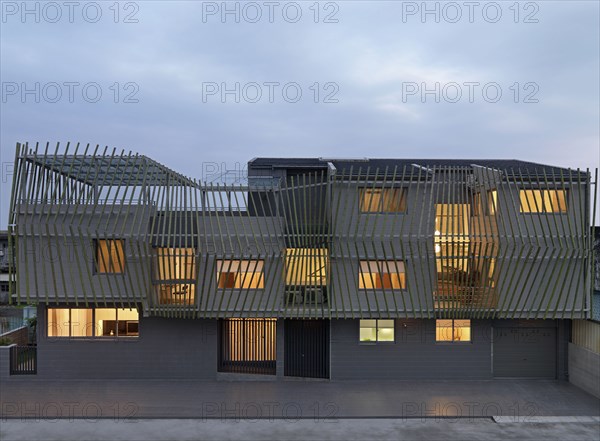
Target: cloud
(368, 55)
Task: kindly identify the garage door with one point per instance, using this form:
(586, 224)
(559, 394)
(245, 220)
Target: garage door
(525, 352)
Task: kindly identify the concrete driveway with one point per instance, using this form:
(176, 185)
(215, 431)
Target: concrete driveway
(306, 429)
(291, 401)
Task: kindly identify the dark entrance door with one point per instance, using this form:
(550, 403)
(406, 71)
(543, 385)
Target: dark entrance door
(306, 352)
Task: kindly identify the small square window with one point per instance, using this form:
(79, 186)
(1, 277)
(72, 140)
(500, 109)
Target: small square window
(453, 330)
(110, 256)
(374, 331)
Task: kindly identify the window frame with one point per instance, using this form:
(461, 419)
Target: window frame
(96, 243)
(543, 199)
(384, 264)
(361, 200)
(377, 327)
(229, 264)
(453, 341)
(93, 326)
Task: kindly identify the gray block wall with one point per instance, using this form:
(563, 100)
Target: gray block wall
(188, 349)
(415, 354)
(584, 369)
(166, 348)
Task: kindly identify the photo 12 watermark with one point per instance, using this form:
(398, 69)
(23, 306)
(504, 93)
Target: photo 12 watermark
(253, 92)
(470, 12)
(270, 12)
(468, 411)
(53, 92)
(53, 411)
(470, 92)
(70, 12)
(252, 411)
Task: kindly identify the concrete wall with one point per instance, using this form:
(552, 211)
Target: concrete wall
(584, 369)
(18, 336)
(415, 354)
(5, 362)
(188, 349)
(166, 348)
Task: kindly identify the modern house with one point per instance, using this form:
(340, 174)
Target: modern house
(314, 267)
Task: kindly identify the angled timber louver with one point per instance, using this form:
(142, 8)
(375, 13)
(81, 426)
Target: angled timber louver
(422, 239)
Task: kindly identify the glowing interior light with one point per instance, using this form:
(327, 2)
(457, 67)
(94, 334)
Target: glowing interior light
(437, 248)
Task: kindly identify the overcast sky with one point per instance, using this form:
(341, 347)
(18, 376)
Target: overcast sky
(372, 63)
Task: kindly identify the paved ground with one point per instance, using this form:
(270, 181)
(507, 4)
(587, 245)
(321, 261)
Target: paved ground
(306, 429)
(291, 400)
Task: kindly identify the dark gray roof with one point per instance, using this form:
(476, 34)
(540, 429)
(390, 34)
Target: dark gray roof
(380, 164)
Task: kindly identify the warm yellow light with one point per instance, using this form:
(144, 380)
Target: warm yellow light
(437, 249)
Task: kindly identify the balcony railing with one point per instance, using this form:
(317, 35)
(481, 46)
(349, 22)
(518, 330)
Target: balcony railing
(298, 295)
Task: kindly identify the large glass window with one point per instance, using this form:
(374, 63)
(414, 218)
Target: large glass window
(381, 274)
(376, 330)
(543, 201)
(92, 322)
(245, 274)
(382, 200)
(453, 330)
(110, 256)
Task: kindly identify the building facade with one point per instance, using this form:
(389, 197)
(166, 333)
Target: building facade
(314, 267)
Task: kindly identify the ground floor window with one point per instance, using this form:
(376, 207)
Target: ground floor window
(375, 331)
(92, 322)
(248, 345)
(453, 330)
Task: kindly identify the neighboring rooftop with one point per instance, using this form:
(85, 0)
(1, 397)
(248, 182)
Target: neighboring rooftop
(506, 165)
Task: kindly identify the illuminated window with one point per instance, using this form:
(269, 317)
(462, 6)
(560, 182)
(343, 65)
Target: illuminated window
(381, 274)
(58, 322)
(453, 330)
(176, 273)
(306, 266)
(245, 274)
(492, 202)
(110, 256)
(175, 263)
(382, 200)
(543, 201)
(373, 331)
(88, 322)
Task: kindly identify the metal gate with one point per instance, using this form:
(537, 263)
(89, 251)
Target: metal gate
(23, 360)
(306, 348)
(248, 346)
